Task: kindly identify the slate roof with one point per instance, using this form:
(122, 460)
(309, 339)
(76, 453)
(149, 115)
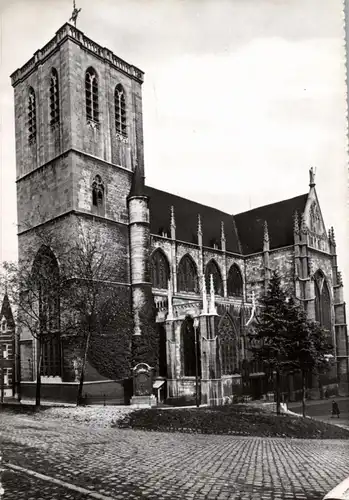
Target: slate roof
(244, 232)
(186, 218)
(6, 310)
(279, 216)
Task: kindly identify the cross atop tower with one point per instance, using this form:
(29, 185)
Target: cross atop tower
(75, 14)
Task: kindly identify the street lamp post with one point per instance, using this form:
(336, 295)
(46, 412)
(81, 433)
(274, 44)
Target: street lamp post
(196, 325)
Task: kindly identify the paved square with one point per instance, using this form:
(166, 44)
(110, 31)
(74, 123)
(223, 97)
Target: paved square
(110, 463)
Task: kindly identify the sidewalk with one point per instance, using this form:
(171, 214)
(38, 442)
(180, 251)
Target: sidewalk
(314, 402)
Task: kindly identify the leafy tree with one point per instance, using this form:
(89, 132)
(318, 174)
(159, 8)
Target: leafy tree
(285, 340)
(271, 342)
(311, 348)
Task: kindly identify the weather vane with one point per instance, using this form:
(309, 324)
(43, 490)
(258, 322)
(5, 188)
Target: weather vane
(75, 14)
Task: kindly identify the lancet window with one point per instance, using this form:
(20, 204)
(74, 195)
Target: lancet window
(160, 270)
(120, 110)
(46, 276)
(91, 93)
(235, 282)
(212, 268)
(187, 275)
(229, 345)
(322, 301)
(31, 115)
(54, 98)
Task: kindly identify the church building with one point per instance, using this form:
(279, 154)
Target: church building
(79, 156)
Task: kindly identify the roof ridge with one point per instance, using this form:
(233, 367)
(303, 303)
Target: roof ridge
(271, 204)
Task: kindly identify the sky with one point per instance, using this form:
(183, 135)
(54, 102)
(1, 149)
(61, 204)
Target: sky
(240, 99)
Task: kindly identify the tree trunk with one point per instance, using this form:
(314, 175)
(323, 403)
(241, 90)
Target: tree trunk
(278, 399)
(303, 392)
(38, 375)
(83, 366)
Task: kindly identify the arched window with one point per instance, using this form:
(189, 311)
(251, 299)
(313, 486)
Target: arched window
(46, 276)
(91, 91)
(97, 193)
(3, 324)
(187, 275)
(234, 282)
(212, 268)
(31, 115)
(322, 301)
(188, 343)
(160, 270)
(54, 98)
(229, 345)
(120, 110)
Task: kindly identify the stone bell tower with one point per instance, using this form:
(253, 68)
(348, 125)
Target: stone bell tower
(79, 136)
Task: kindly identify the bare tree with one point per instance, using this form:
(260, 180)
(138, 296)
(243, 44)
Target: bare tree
(35, 292)
(94, 307)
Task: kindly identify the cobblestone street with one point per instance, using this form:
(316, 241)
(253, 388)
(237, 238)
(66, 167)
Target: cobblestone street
(57, 459)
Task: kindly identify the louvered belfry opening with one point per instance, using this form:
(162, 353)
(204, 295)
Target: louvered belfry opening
(120, 111)
(31, 115)
(54, 98)
(91, 91)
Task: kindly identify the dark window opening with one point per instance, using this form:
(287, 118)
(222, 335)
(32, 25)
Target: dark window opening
(189, 355)
(98, 192)
(235, 282)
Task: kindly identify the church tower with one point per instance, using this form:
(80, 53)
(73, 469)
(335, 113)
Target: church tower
(79, 138)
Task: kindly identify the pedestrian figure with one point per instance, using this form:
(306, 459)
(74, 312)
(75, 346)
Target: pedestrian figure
(335, 409)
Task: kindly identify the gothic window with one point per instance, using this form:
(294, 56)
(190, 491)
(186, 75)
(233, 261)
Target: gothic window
(315, 218)
(98, 193)
(46, 276)
(212, 268)
(120, 110)
(31, 115)
(322, 301)
(229, 345)
(187, 275)
(188, 342)
(54, 98)
(234, 282)
(91, 91)
(160, 270)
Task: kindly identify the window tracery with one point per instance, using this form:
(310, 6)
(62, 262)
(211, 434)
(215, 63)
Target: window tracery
(46, 274)
(160, 270)
(91, 93)
(187, 275)
(322, 302)
(229, 345)
(120, 111)
(31, 115)
(315, 218)
(54, 98)
(212, 268)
